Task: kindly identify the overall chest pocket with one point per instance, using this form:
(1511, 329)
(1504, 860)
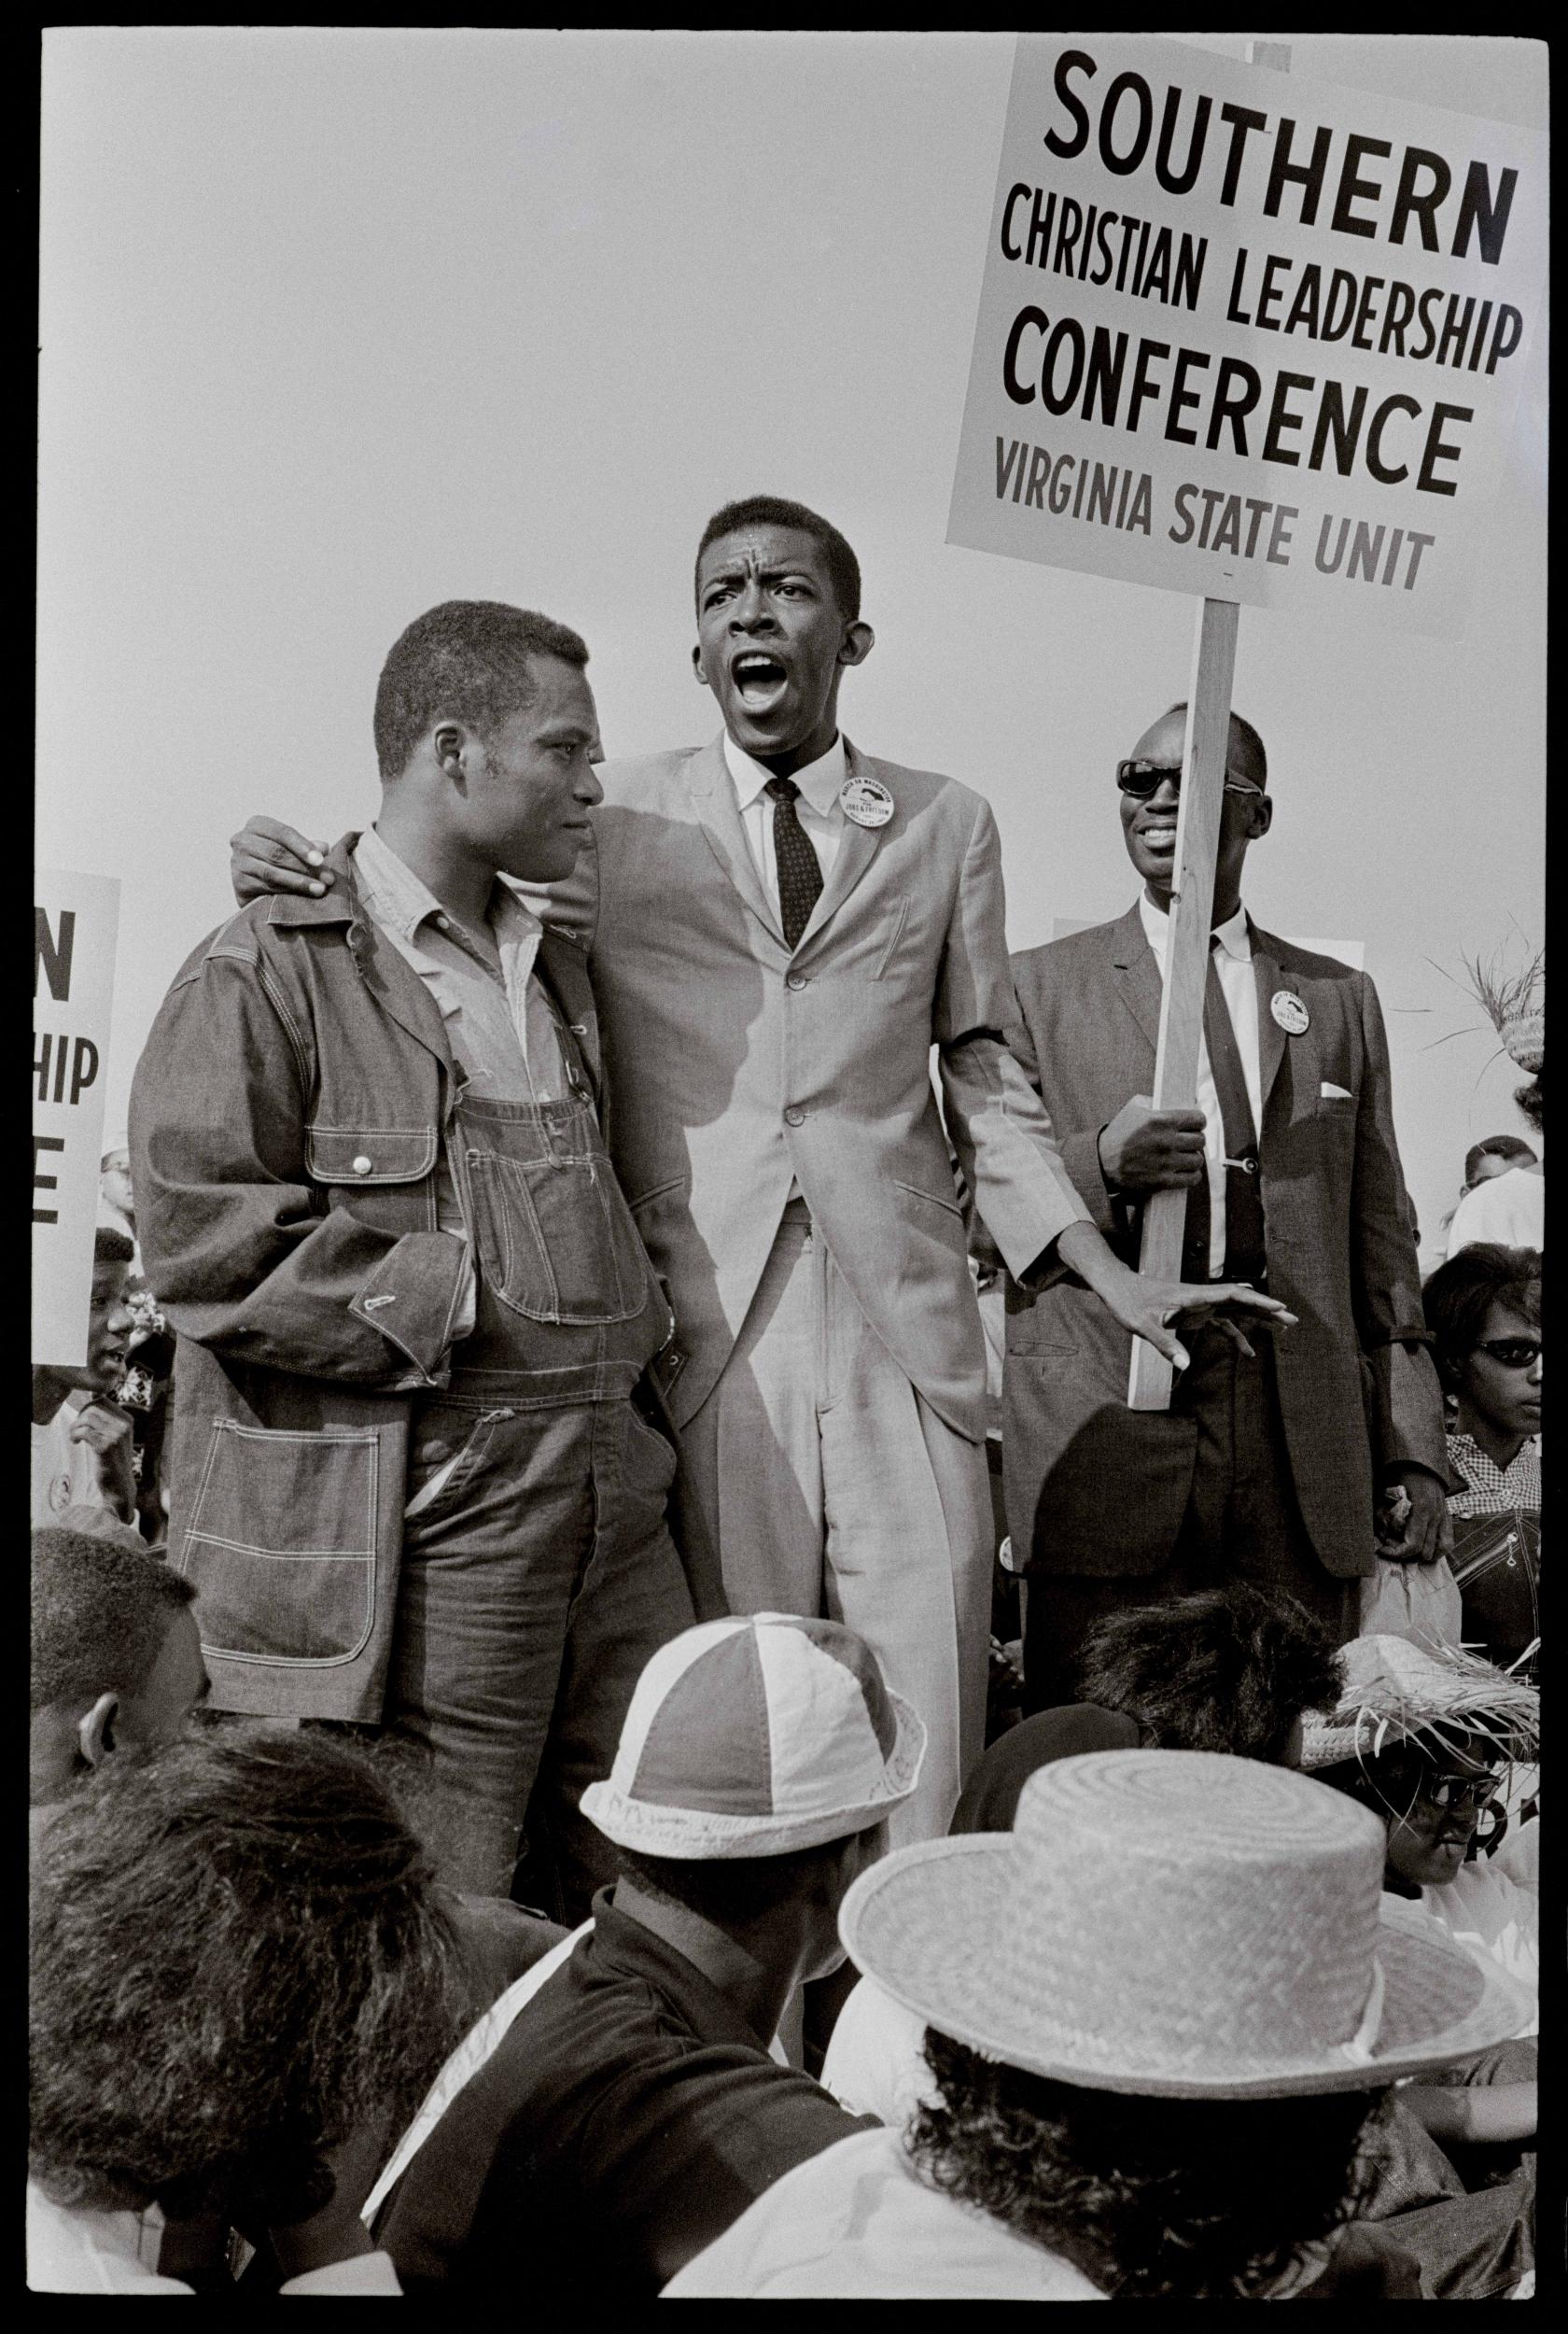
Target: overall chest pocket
(554, 1238)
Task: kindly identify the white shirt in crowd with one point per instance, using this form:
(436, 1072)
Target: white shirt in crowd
(1510, 1208)
(875, 2064)
(65, 1475)
(1239, 987)
(70, 2251)
(1487, 1909)
(858, 2221)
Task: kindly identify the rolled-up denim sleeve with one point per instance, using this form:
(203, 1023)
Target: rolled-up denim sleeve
(235, 1242)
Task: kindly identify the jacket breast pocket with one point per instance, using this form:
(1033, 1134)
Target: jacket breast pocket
(280, 1547)
(385, 1175)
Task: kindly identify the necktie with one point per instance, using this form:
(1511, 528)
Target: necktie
(800, 873)
(1244, 1256)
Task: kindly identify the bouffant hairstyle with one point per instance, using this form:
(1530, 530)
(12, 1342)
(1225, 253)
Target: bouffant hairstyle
(1460, 1293)
(239, 1957)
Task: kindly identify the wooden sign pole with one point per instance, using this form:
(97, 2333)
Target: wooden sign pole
(1204, 755)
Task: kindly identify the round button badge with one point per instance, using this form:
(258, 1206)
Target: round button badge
(1289, 1011)
(866, 801)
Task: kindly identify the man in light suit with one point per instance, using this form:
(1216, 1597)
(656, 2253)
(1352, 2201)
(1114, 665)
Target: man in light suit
(1267, 1462)
(780, 930)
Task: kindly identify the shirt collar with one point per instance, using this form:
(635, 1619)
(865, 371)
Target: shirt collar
(1484, 1472)
(395, 895)
(1234, 935)
(820, 781)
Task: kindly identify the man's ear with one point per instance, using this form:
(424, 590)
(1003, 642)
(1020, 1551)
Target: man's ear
(697, 672)
(447, 741)
(95, 1730)
(857, 644)
(1262, 817)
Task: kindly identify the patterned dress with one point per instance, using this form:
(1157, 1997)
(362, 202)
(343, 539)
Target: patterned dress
(1497, 1550)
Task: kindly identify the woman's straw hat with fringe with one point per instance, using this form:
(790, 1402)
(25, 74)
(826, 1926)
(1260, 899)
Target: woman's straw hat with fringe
(1440, 1698)
(1514, 1004)
(1179, 1924)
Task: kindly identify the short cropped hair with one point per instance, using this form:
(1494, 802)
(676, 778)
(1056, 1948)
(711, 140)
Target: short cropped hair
(100, 1612)
(1460, 1293)
(844, 568)
(240, 1957)
(1247, 732)
(469, 659)
(728, 1889)
(1495, 1146)
(110, 1245)
(1230, 1669)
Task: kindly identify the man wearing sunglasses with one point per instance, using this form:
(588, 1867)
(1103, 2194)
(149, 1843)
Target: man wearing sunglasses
(1268, 1465)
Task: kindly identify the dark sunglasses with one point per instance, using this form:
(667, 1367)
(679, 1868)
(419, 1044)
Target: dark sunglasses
(1514, 1353)
(1143, 778)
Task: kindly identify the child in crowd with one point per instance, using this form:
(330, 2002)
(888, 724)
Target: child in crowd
(1483, 1308)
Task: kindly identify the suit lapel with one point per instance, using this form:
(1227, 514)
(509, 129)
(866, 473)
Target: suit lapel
(1271, 1037)
(857, 849)
(713, 798)
(1137, 974)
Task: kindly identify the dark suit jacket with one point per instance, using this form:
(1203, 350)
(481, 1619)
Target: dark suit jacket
(1092, 1487)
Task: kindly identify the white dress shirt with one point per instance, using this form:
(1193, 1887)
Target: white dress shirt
(818, 809)
(1239, 987)
(1509, 1208)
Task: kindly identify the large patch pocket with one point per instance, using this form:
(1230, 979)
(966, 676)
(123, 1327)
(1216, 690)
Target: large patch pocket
(281, 1544)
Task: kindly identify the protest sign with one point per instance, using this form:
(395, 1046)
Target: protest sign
(1246, 336)
(75, 920)
(1189, 372)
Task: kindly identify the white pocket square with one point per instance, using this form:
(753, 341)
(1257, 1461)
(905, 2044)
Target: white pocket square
(1334, 1093)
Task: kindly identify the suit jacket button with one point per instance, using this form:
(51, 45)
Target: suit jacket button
(361, 1166)
(794, 980)
(794, 1116)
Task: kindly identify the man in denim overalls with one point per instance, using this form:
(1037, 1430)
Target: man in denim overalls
(412, 1478)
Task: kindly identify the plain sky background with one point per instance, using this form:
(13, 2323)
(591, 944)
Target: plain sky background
(338, 324)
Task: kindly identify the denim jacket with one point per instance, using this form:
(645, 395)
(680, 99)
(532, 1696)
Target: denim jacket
(287, 1118)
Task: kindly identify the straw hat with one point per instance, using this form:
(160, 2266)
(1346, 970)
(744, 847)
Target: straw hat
(1524, 1041)
(1440, 1696)
(1177, 1923)
(754, 1735)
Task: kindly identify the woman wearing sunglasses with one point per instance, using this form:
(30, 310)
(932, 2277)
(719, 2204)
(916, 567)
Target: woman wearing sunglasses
(1426, 1737)
(1483, 1308)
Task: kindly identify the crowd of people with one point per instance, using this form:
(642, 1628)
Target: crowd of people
(571, 1717)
